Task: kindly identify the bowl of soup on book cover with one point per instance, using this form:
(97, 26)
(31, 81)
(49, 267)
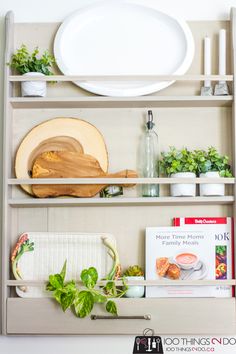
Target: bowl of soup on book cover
(186, 259)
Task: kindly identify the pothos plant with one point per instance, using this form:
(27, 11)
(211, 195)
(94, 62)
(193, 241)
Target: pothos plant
(175, 161)
(82, 300)
(24, 62)
(67, 293)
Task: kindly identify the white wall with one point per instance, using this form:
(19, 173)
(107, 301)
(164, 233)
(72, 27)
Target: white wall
(57, 10)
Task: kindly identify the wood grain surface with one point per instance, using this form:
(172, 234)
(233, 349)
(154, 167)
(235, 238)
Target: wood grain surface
(66, 164)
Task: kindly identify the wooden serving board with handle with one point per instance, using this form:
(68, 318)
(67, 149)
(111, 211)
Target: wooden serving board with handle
(67, 164)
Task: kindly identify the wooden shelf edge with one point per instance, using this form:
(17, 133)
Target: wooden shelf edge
(230, 282)
(121, 102)
(165, 180)
(82, 78)
(120, 201)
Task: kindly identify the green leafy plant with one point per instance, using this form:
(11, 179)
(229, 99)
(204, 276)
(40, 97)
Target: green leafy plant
(82, 301)
(134, 271)
(211, 160)
(175, 161)
(24, 62)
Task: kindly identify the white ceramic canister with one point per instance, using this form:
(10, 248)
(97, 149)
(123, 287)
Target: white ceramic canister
(211, 189)
(182, 189)
(135, 290)
(33, 88)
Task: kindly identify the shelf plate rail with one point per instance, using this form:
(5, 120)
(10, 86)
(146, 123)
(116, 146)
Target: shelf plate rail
(33, 181)
(120, 102)
(154, 78)
(135, 201)
(229, 282)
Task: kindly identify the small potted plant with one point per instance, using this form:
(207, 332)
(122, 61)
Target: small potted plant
(32, 64)
(179, 163)
(210, 164)
(134, 273)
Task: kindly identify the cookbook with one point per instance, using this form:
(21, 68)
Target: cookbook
(193, 250)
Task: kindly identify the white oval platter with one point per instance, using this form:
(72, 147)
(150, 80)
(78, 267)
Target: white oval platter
(123, 38)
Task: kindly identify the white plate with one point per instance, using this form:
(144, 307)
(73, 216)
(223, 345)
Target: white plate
(197, 274)
(51, 249)
(123, 38)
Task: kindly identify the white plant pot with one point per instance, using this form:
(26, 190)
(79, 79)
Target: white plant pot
(33, 88)
(211, 189)
(135, 291)
(181, 189)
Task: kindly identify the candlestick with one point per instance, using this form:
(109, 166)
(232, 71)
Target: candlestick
(222, 52)
(221, 89)
(207, 60)
(206, 89)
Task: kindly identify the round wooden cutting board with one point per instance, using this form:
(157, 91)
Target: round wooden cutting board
(59, 134)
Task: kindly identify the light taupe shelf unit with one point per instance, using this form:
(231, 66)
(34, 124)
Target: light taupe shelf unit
(183, 118)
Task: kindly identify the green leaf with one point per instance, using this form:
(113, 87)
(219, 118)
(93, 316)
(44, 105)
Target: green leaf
(109, 285)
(63, 271)
(99, 298)
(49, 287)
(110, 289)
(89, 277)
(67, 300)
(70, 286)
(111, 307)
(56, 281)
(84, 302)
(57, 295)
(65, 296)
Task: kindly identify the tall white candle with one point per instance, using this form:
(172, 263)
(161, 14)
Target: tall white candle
(222, 52)
(207, 60)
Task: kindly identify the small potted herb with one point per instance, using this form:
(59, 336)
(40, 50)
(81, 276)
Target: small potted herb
(210, 164)
(134, 273)
(32, 64)
(179, 163)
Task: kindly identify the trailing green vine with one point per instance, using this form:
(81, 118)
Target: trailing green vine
(82, 300)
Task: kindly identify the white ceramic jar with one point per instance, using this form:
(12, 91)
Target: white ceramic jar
(182, 189)
(33, 88)
(135, 290)
(211, 189)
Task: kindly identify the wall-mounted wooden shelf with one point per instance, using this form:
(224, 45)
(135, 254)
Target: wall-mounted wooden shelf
(195, 121)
